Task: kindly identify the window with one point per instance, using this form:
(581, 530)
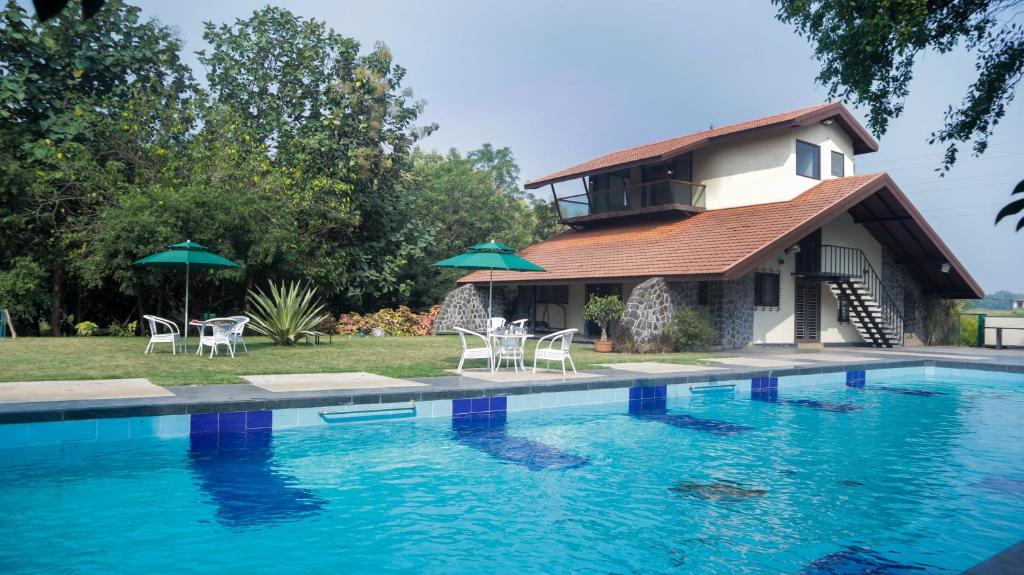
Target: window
(766, 289)
(844, 312)
(558, 295)
(838, 164)
(702, 293)
(808, 160)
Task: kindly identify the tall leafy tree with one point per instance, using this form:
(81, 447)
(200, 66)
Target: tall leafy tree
(868, 50)
(60, 79)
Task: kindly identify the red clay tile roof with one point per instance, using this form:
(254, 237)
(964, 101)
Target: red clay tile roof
(716, 244)
(863, 142)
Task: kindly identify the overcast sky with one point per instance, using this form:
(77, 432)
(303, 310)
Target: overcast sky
(560, 82)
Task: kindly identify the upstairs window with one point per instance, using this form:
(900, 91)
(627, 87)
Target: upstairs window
(838, 165)
(808, 160)
(767, 286)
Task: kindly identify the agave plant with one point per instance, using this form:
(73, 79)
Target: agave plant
(1014, 207)
(286, 312)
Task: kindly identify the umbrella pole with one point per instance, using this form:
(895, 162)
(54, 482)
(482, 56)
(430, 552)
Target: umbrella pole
(490, 296)
(185, 325)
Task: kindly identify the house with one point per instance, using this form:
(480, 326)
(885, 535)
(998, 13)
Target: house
(765, 223)
(1018, 304)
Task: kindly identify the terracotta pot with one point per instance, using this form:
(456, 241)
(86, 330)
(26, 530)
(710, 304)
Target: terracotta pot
(604, 346)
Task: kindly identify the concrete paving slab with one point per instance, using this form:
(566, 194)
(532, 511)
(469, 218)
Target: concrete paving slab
(659, 367)
(528, 375)
(750, 361)
(839, 357)
(326, 381)
(924, 354)
(28, 391)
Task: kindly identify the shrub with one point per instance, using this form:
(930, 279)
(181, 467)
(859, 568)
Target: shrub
(400, 321)
(691, 330)
(626, 343)
(86, 328)
(286, 312)
(117, 329)
(969, 330)
(602, 310)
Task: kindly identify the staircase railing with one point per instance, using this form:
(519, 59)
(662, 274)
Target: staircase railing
(851, 262)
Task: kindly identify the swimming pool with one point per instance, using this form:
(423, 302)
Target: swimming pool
(896, 470)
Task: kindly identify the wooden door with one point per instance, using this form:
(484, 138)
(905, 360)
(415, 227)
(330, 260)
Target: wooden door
(808, 311)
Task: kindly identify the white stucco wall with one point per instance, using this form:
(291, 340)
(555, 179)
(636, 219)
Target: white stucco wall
(776, 327)
(761, 168)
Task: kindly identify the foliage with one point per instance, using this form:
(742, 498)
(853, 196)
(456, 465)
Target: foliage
(1014, 207)
(868, 50)
(940, 321)
(691, 329)
(117, 329)
(626, 343)
(395, 322)
(286, 312)
(602, 310)
(969, 330)
(86, 328)
(996, 300)
(44, 327)
(23, 290)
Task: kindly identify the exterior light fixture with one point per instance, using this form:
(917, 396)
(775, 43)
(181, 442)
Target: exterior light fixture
(794, 249)
(944, 268)
(827, 121)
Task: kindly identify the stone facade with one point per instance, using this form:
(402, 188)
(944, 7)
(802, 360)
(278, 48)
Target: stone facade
(653, 303)
(463, 307)
(909, 298)
(731, 304)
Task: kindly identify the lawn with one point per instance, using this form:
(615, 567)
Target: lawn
(35, 359)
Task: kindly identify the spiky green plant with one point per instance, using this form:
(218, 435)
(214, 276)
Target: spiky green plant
(286, 312)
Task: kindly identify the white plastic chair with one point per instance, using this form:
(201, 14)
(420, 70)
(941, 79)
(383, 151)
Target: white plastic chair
(220, 334)
(171, 336)
(520, 323)
(512, 348)
(474, 352)
(236, 332)
(551, 352)
(495, 323)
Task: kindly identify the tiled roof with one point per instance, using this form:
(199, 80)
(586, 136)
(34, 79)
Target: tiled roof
(713, 244)
(670, 147)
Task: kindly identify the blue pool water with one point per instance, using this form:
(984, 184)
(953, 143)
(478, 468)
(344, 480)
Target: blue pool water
(886, 474)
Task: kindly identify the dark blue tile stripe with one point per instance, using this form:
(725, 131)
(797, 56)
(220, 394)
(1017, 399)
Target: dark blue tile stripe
(860, 561)
(230, 422)
(764, 383)
(655, 408)
(479, 405)
(856, 378)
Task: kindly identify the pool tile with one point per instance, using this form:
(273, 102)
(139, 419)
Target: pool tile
(232, 422)
(80, 430)
(442, 408)
(259, 419)
(46, 432)
(308, 416)
(285, 418)
(462, 407)
(173, 425)
(856, 378)
(563, 398)
(480, 405)
(145, 426)
(499, 403)
(580, 397)
(113, 429)
(548, 400)
(204, 423)
(14, 434)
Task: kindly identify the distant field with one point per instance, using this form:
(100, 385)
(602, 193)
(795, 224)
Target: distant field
(995, 312)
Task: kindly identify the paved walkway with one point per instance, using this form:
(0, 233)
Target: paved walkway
(49, 401)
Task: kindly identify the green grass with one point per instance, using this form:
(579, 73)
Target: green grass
(36, 359)
(996, 312)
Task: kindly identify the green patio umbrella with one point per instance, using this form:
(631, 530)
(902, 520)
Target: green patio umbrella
(490, 256)
(185, 256)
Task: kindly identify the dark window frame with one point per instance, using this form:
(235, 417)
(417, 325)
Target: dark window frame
(841, 163)
(816, 166)
(767, 289)
(842, 311)
(703, 293)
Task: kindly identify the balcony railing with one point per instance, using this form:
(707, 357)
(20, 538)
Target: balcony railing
(649, 194)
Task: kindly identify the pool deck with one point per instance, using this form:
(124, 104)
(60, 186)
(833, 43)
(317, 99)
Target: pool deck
(310, 390)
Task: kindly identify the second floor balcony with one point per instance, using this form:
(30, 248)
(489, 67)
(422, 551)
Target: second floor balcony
(665, 195)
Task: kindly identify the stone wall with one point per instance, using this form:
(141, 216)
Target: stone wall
(463, 307)
(731, 304)
(653, 303)
(909, 298)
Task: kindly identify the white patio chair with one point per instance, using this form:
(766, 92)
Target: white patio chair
(556, 349)
(511, 348)
(495, 323)
(236, 332)
(520, 323)
(220, 334)
(474, 352)
(171, 335)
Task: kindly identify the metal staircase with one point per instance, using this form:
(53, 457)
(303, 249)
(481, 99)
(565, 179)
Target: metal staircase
(871, 309)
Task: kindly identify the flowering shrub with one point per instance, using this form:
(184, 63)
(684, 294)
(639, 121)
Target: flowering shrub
(400, 321)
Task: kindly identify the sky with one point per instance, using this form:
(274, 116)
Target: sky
(561, 82)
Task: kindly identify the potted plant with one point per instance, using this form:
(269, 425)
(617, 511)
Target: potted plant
(603, 310)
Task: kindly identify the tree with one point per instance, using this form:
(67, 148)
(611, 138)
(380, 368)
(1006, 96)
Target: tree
(1014, 207)
(868, 50)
